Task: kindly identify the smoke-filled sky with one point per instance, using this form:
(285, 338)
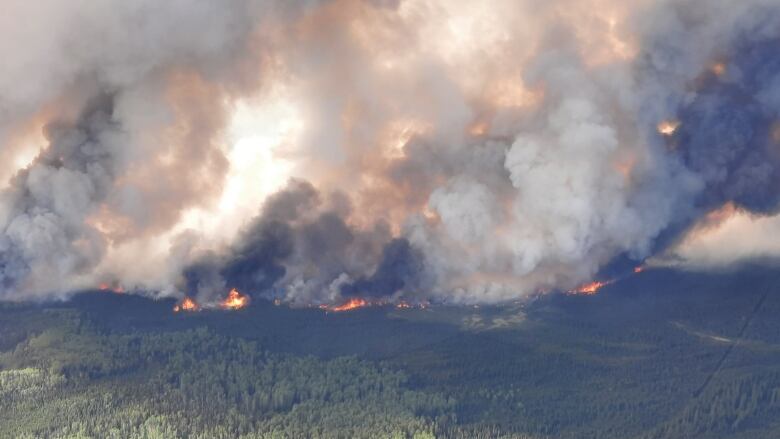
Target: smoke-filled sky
(412, 150)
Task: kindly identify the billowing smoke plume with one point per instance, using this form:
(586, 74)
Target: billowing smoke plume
(302, 248)
(131, 100)
(456, 151)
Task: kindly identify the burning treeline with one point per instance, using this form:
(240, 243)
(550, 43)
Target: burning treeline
(376, 151)
(234, 301)
(593, 287)
(357, 303)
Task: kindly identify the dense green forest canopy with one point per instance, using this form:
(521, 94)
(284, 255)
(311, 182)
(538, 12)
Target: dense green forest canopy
(662, 354)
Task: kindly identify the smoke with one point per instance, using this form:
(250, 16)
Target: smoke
(301, 248)
(132, 100)
(435, 150)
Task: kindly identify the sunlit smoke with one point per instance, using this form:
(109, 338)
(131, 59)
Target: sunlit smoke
(355, 153)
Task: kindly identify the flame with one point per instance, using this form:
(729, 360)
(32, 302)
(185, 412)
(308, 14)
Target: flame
(639, 269)
(234, 300)
(358, 302)
(351, 304)
(106, 287)
(668, 127)
(590, 288)
(188, 305)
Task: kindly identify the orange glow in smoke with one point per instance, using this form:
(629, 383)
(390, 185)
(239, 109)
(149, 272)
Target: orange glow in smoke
(668, 127)
(479, 128)
(718, 216)
(639, 269)
(775, 133)
(114, 289)
(719, 69)
(626, 167)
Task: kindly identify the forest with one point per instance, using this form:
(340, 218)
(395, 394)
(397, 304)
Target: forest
(663, 354)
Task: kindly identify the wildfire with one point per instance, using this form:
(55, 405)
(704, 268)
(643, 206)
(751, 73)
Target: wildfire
(639, 269)
(113, 289)
(589, 289)
(668, 127)
(350, 304)
(234, 300)
(358, 302)
(188, 305)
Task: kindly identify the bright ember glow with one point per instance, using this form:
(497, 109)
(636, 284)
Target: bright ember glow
(351, 304)
(113, 289)
(639, 269)
(668, 127)
(589, 289)
(188, 305)
(235, 300)
(719, 69)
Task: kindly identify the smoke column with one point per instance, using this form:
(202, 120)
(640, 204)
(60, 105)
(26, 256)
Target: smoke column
(314, 151)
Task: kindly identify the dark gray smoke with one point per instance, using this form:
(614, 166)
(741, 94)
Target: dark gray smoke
(132, 100)
(460, 151)
(46, 233)
(302, 248)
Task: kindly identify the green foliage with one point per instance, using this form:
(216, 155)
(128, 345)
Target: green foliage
(197, 384)
(692, 361)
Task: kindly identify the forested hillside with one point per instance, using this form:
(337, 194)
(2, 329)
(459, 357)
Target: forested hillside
(68, 381)
(656, 356)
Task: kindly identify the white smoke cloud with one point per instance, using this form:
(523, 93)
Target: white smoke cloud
(740, 238)
(133, 97)
(462, 152)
